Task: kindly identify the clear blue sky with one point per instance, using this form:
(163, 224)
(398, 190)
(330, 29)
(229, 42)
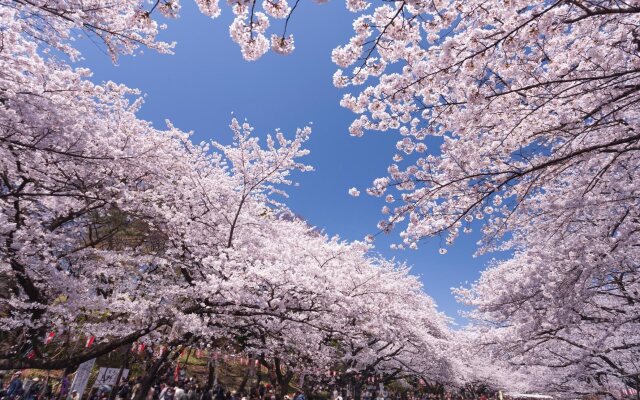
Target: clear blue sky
(206, 80)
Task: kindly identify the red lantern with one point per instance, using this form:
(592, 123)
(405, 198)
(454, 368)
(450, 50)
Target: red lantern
(49, 337)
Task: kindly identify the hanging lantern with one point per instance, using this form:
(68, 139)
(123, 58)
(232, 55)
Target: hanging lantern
(49, 338)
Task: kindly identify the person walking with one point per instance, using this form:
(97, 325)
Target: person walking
(124, 391)
(179, 393)
(34, 389)
(136, 387)
(15, 386)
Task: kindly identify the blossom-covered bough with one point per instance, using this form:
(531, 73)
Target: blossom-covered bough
(527, 89)
(125, 26)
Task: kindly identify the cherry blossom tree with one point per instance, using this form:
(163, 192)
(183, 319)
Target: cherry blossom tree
(116, 230)
(574, 314)
(518, 118)
(327, 302)
(102, 213)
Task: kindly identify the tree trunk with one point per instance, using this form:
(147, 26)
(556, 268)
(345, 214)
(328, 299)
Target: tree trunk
(245, 378)
(186, 360)
(112, 395)
(252, 375)
(282, 380)
(147, 380)
(211, 369)
(152, 372)
(357, 390)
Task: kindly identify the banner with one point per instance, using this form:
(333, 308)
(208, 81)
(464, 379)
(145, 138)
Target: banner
(108, 376)
(81, 378)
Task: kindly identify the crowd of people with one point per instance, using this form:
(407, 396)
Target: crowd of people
(19, 388)
(170, 386)
(166, 387)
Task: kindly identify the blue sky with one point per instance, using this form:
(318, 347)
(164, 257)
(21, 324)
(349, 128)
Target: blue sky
(206, 80)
